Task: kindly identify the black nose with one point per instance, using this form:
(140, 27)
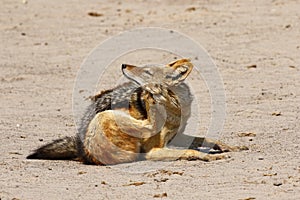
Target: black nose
(124, 66)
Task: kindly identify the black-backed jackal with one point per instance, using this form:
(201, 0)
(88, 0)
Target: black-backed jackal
(137, 120)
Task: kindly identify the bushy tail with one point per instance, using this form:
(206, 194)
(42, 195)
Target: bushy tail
(60, 149)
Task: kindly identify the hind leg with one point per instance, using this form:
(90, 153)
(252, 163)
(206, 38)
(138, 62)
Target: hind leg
(114, 137)
(107, 142)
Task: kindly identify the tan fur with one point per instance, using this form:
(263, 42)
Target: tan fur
(142, 130)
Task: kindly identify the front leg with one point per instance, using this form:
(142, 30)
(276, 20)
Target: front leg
(191, 142)
(166, 154)
(215, 144)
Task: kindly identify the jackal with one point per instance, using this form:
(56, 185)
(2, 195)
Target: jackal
(137, 120)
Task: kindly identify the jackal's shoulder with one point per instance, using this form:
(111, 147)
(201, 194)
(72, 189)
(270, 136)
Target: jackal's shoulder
(115, 98)
(111, 99)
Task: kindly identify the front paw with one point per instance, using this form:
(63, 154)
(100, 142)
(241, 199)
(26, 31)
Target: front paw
(227, 148)
(213, 157)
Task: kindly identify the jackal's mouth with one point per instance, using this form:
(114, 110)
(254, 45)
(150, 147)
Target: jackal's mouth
(128, 75)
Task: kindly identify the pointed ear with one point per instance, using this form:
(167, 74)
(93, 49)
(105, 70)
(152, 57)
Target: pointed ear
(180, 70)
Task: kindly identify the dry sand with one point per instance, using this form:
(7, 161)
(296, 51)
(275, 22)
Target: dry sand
(255, 44)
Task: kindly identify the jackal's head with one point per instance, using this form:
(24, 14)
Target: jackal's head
(167, 75)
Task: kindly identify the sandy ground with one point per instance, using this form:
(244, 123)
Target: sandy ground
(255, 44)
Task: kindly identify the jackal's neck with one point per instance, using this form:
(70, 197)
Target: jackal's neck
(137, 107)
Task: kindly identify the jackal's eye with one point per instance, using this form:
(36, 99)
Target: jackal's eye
(148, 72)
